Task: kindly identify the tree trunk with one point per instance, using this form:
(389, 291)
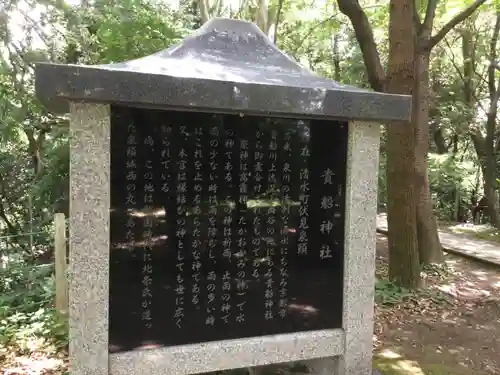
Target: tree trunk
(404, 266)
(336, 58)
(429, 247)
(439, 140)
(491, 197)
(401, 209)
(204, 10)
(435, 114)
(478, 140)
(490, 149)
(12, 226)
(404, 170)
(490, 170)
(262, 15)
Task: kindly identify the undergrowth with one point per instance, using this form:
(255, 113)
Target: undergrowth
(439, 270)
(27, 314)
(387, 293)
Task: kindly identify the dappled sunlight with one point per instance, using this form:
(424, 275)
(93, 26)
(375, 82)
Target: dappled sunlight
(155, 212)
(33, 365)
(303, 309)
(388, 353)
(38, 359)
(431, 335)
(470, 282)
(480, 231)
(156, 240)
(409, 367)
(392, 363)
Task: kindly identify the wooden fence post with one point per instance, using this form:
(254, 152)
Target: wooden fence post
(60, 263)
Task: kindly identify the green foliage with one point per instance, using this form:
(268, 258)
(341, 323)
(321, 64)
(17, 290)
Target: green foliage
(388, 293)
(111, 33)
(452, 182)
(50, 191)
(26, 314)
(21, 328)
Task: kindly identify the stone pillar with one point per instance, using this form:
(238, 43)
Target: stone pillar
(89, 238)
(360, 243)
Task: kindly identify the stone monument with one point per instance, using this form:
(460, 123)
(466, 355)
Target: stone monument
(222, 211)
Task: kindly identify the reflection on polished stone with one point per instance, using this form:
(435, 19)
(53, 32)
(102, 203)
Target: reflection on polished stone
(223, 226)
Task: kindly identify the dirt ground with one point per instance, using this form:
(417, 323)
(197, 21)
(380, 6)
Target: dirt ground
(454, 329)
(455, 335)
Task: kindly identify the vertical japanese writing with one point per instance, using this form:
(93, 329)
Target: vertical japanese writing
(211, 283)
(147, 269)
(327, 204)
(166, 170)
(304, 202)
(235, 227)
(271, 226)
(196, 216)
(227, 245)
(285, 214)
(131, 177)
(257, 173)
(241, 273)
(131, 203)
(166, 160)
(181, 191)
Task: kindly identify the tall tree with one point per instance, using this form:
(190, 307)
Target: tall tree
(474, 79)
(490, 170)
(402, 209)
(412, 225)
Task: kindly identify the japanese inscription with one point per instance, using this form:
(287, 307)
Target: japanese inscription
(223, 226)
(147, 231)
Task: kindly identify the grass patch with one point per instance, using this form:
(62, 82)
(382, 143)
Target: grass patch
(395, 364)
(482, 232)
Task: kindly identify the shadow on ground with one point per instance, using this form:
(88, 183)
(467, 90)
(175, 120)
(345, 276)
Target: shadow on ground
(457, 335)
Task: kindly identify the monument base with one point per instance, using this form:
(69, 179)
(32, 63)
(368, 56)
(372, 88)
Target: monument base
(327, 366)
(320, 366)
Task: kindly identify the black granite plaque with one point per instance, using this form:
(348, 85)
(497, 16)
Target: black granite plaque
(223, 226)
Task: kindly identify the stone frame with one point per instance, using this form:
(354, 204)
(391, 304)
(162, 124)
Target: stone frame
(89, 271)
